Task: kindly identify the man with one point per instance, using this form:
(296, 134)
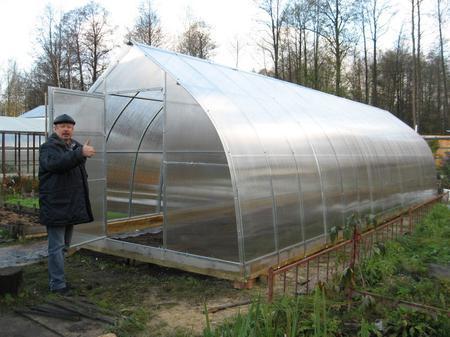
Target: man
(63, 194)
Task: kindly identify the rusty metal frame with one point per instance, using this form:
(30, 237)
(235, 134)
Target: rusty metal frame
(18, 160)
(344, 254)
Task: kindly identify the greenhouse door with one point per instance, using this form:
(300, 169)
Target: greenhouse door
(88, 111)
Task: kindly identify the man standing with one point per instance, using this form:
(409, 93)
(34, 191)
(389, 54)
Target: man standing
(63, 194)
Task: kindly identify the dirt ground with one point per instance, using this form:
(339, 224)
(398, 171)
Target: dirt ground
(13, 226)
(9, 217)
(147, 300)
(160, 301)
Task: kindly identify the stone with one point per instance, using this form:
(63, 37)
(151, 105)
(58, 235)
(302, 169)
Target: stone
(10, 280)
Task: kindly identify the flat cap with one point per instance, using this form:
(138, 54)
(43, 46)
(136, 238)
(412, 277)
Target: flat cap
(64, 119)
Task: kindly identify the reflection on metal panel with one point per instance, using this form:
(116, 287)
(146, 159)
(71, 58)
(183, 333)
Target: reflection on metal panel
(200, 217)
(88, 110)
(287, 198)
(256, 204)
(146, 188)
(114, 107)
(134, 72)
(119, 175)
(130, 126)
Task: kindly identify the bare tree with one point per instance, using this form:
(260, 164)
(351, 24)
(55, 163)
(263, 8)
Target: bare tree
(414, 68)
(338, 15)
(75, 50)
(14, 93)
(377, 17)
(445, 112)
(298, 17)
(147, 28)
(366, 60)
(277, 15)
(419, 91)
(49, 38)
(196, 40)
(317, 24)
(236, 46)
(96, 39)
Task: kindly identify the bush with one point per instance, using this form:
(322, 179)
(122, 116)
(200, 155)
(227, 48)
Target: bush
(444, 172)
(19, 185)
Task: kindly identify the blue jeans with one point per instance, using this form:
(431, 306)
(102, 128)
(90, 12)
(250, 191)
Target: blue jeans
(58, 241)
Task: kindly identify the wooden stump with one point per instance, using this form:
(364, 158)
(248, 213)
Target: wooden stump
(10, 280)
(244, 285)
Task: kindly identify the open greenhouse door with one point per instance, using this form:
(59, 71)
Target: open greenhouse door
(88, 111)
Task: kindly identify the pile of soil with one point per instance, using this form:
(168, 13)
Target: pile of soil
(9, 217)
(151, 238)
(18, 224)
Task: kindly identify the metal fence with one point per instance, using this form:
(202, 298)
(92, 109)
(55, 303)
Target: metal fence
(300, 277)
(20, 153)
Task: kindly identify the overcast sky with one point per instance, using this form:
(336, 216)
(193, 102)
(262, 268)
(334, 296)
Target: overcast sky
(229, 19)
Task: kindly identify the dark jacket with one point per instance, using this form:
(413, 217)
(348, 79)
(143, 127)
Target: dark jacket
(63, 186)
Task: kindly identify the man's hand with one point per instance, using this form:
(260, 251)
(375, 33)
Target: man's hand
(88, 150)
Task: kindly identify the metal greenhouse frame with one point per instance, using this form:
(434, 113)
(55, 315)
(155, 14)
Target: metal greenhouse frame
(248, 171)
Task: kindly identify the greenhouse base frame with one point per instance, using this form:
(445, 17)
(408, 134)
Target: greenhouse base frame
(302, 255)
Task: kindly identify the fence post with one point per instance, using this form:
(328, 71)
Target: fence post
(355, 247)
(3, 158)
(270, 284)
(410, 217)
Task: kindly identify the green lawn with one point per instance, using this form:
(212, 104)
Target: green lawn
(23, 201)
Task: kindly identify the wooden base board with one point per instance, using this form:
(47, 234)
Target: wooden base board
(133, 224)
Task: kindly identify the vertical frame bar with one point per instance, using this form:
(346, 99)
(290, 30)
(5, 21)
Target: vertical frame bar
(3, 157)
(19, 155)
(28, 153)
(34, 156)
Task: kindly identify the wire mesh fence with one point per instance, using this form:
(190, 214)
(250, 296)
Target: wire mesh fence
(301, 277)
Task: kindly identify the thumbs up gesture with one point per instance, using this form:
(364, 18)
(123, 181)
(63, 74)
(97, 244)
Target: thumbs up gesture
(88, 150)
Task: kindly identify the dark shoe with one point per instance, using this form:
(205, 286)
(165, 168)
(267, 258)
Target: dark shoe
(61, 291)
(67, 290)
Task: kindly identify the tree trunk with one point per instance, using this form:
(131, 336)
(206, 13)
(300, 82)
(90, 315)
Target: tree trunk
(366, 63)
(305, 59)
(414, 74)
(444, 75)
(337, 51)
(374, 70)
(419, 89)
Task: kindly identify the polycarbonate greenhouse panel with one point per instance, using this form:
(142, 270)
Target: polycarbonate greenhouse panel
(199, 214)
(133, 73)
(128, 130)
(200, 217)
(146, 184)
(247, 168)
(285, 182)
(256, 205)
(115, 105)
(152, 141)
(120, 166)
(88, 110)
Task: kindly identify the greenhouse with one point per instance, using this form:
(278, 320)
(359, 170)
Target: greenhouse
(247, 171)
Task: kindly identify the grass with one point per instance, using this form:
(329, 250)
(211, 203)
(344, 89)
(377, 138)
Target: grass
(110, 215)
(400, 270)
(29, 202)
